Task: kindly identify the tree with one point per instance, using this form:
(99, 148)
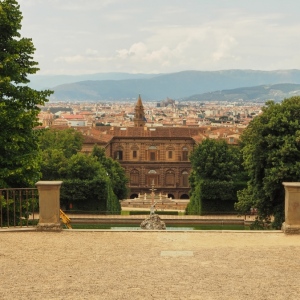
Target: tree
(90, 182)
(68, 141)
(19, 159)
(215, 160)
(115, 172)
(216, 176)
(57, 146)
(87, 186)
(271, 153)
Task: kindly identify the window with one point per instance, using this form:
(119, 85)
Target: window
(152, 152)
(119, 155)
(134, 151)
(152, 178)
(134, 177)
(185, 179)
(185, 154)
(152, 155)
(170, 152)
(170, 178)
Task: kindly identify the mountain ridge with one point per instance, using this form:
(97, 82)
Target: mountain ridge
(261, 93)
(178, 85)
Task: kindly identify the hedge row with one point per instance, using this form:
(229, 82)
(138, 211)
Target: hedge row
(145, 212)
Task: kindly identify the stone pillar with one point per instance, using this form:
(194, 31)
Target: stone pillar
(49, 202)
(292, 208)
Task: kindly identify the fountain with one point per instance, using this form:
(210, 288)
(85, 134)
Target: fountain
(153, 222)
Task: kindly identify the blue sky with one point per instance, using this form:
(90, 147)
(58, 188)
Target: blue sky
(162, 36)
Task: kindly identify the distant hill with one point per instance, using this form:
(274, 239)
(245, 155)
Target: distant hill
(175, 85)
(261, 93)
(40, 82)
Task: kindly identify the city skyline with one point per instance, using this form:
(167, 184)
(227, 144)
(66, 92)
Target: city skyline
(79, 37)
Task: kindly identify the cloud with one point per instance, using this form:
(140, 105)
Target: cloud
(224, 48)
(70, 5)
(91, 52)
(166, 36)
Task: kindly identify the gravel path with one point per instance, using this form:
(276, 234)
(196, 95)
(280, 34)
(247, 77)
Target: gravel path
(149, 265)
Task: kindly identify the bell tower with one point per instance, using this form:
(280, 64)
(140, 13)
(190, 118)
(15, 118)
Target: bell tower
(139, 114)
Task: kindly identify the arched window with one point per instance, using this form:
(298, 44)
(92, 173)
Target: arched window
(185, 178)
(152, 177)
(152, 172)
(119, 155)
(170, 178)
(185, 153)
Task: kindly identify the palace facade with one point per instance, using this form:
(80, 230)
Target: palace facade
(149, 155)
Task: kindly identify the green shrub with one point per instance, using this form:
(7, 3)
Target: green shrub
(140, 212)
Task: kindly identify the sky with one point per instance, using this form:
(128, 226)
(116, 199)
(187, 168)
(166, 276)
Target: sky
(162, 36)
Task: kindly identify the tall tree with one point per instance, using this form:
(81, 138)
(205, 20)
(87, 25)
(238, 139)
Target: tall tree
(271, 152)
(216, 176)
(115, 172)
(19, 159)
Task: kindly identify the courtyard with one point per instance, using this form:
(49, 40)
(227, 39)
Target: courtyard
(75, 264)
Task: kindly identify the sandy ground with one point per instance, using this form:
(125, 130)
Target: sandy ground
(149, 265)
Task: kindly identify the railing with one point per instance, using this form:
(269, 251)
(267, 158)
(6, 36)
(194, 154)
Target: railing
(18, 207)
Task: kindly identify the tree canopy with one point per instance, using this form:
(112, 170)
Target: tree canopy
(19, 159)
(90, 182)
(115, 172)
(68, 141)
(57, 146)
(271, 153)
(215, 160)
(216, 176)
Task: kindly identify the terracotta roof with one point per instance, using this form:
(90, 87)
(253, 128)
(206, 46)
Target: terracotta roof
(72, 117)
(92, 140)
(95, 134)
(157, 132)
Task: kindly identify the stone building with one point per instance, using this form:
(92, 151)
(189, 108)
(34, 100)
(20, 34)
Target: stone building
(149, 155)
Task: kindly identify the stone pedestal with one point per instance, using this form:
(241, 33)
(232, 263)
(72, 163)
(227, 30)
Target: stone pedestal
(49, 202)
(292, 208)
(153, 223)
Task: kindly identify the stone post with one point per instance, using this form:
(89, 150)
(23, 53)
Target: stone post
(292, 208)
(49, 203)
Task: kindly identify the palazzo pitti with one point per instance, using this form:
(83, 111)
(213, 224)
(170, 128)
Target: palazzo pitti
(150, 155)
